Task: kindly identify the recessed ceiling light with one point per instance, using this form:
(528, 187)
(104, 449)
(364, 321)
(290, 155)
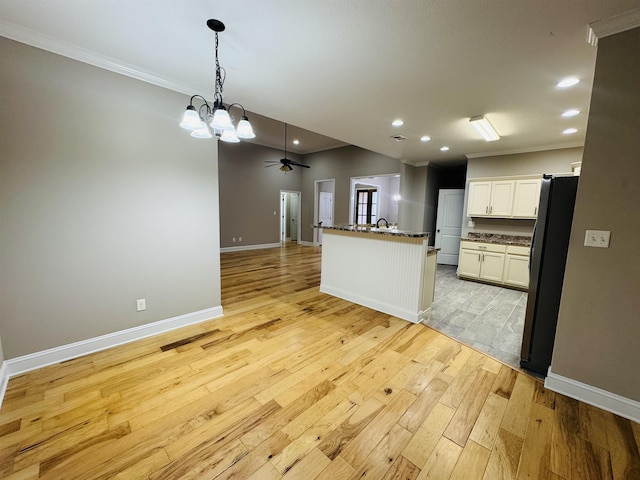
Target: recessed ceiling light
(569, 131)
(398, 122)
(296, 142)
(567, 82)
(425, 138)
(444, 149)
(571, 113)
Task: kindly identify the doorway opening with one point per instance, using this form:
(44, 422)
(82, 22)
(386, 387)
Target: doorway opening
(324, 191)
(373, 198)
(289, 216)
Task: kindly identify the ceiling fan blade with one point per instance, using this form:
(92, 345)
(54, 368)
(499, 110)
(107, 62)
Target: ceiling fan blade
(272, 165)
(298, 164)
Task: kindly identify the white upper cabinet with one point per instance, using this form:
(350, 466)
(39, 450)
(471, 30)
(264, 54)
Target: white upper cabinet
(501, 198)
(526, 199)
(490, 198)
(479, 199)
(510, 197)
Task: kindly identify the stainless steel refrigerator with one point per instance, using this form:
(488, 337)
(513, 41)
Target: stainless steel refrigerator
(549, 247)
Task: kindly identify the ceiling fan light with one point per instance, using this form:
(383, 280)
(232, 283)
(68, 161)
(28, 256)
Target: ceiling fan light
(201, 132)
(485, 129)
(286, 168)
(245, 130)
(221, 120)
(191, 120)
(229, 136)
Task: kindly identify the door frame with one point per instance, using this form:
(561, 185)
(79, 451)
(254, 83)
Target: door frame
(316, 205)
(284, 217)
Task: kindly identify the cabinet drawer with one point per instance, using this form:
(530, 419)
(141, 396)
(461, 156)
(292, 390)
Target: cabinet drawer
(517, 250)
(484, 247)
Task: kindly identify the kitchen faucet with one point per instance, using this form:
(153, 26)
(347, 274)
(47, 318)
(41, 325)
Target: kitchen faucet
(386, 224)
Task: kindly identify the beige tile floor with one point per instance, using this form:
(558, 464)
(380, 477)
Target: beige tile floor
(486, 317)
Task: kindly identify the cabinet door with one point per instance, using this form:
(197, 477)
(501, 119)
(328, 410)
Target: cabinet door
(479, 198)
(516, 270)
(501, 198)
(492, 266)
(527, 198)
(469, 263)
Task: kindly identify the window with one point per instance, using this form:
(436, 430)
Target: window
(366, 205)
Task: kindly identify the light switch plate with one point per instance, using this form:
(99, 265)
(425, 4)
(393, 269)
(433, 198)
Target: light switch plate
(141, 304)
(597, 238)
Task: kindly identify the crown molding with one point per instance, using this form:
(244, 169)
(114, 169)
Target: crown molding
(612, 25)
(81, 54)
(542, 148)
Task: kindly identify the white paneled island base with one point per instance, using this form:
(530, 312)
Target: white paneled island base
(392, 272)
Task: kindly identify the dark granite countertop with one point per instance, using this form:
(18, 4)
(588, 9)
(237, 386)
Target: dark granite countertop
(519, 240)
(381, 231)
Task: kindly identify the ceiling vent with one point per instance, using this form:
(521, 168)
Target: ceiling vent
(398, 138)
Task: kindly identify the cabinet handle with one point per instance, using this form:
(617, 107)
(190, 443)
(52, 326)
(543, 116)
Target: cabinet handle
(486, 209)
(479, 257)
(535, 211)
(490, 209)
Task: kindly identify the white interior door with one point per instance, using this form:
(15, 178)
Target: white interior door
(325, 212)
(294, 217)
(449, 225)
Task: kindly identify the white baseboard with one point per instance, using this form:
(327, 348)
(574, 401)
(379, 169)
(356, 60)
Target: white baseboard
(33, 361)
(240, 248)
(597, 397)
(4, 380)
(403, 313)
(308, 244)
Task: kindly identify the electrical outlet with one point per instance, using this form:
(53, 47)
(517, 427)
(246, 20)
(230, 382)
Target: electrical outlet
(141, 304)
(239, 239)
(471, 224)
(597, 238)
(234, 239)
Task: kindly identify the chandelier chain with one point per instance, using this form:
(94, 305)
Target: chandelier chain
(220, 77)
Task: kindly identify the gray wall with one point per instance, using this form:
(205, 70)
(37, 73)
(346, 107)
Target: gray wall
(549, 161)
(341, 164)
(413, 190)
(599, 323)
(103, 200)
(250, 193)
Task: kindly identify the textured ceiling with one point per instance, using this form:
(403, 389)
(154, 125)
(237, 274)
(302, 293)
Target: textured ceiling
(344, 69)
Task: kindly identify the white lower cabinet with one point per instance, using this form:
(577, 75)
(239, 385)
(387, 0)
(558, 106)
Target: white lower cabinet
(516, 266)
(501, 264)
(481, 260)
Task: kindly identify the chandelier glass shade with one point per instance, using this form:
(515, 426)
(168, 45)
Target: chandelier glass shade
(216, 115)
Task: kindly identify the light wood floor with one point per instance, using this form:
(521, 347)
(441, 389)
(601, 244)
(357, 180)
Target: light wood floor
(295, 384)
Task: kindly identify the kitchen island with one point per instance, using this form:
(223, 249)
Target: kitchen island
(392, 271)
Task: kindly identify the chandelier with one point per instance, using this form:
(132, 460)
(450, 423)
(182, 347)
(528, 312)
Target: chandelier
(216, 115)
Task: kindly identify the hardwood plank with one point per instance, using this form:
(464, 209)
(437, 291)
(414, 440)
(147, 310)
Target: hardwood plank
(516, 416)
(536, 450)
(467, 413)
(486, 427)
(416, 414)
(337, 469)
(625, 457)
(472, 462)
(442, 461)
(505, 457)
(402, 469)
(427, 436)
(256, 458)
(357, 450)
(379, 461)
(308, 467)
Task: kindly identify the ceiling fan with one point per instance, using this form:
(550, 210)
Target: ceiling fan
(286, 165)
